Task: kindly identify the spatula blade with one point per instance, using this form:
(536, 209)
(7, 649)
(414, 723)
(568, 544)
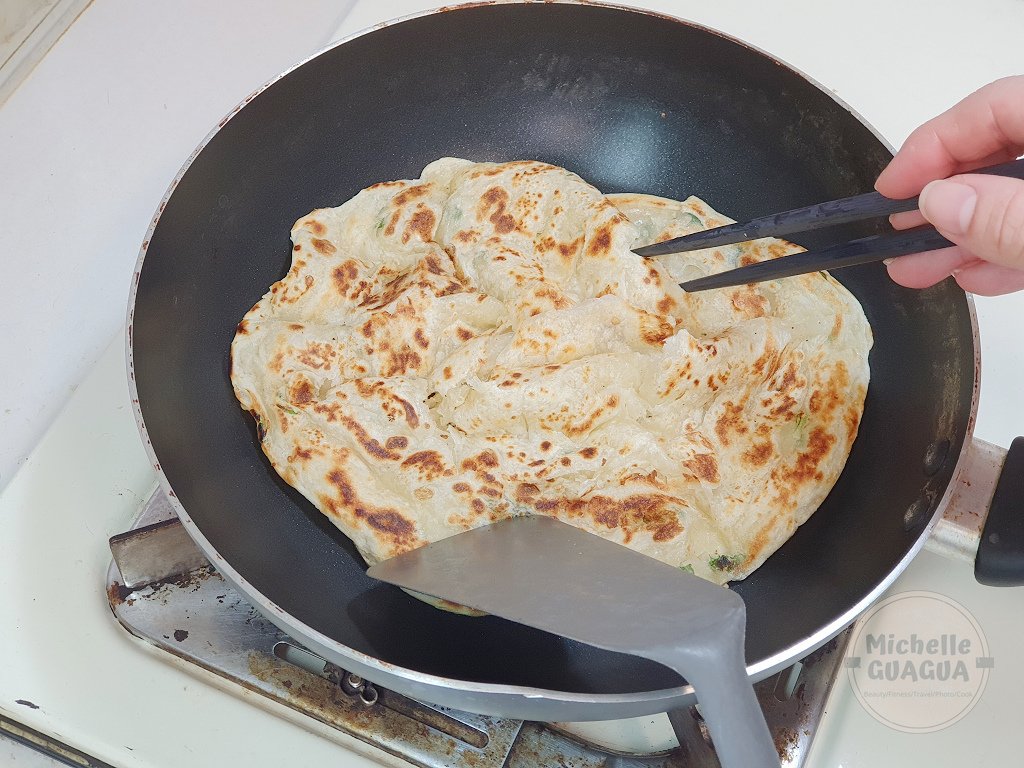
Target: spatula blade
(550, 575)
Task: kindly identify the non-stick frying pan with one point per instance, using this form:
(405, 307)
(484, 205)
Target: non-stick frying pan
(632, 102)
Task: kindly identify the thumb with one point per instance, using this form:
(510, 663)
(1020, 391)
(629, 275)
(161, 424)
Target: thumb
(983, 214)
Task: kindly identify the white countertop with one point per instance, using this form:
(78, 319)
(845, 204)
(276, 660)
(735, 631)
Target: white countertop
(87, 147)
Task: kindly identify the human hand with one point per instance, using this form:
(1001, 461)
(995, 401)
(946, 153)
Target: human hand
(983, 215)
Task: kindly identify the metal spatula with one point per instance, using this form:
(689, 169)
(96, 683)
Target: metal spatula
(549, 575)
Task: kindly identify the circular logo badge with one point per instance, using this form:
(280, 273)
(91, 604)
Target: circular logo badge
(918, 662)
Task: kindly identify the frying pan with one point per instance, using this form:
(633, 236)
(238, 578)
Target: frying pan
(631, 101)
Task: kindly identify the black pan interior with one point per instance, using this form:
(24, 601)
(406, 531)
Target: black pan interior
(632, 102)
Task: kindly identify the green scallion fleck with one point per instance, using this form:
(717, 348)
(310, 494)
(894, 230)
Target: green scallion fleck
(725, 562)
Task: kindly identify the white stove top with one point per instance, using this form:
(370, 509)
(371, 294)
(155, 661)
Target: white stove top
(95, 687)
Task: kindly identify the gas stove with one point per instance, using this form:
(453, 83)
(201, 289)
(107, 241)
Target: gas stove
(163, 590)
(71, 675)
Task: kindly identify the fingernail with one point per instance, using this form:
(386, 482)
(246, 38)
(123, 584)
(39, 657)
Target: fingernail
(949, 205)
(887, 262)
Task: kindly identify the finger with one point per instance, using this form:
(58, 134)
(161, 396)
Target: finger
(985, 128)
(987, 279)
(907, 220)
(984, 214)
(911, 219)
(921, 270)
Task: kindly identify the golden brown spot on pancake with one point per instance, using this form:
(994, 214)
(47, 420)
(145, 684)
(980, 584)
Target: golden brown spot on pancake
(410, 194)
(789, 378)
(569, 250)
(420, 223)
(494, 493)
(396, 443)
(464, 333)
(805, 471)
(666, 304)
(654, 330)
(601, 243)
(276, 362)
(301, 393)
(758, 454)
(825, 401)
(837, 327)
(296, 326)
(783, 409)
(546, 445)
(486, 458)
(344, 275)
(536, 463)
(705, 467)
(478, 506)
(466, 235)
(389, 230)
(389, 523)
(730, 422)
(494, 201)
(749, 302)
(767, 363)
(653, 514)
(746, 260)
(317, 355)
(447, 372)
(430, 464)
(461, 488)
(557, 299)
(433, 264)
(423, 493)
(323, 246)
(565, 461)
(242, 328)
(315, 227)
(300, 455)
(525, 493)
(581, 428)
(589, 452)
(369, 444)
(420, 338)
(402, 361)
(852, 421)
(778, 250)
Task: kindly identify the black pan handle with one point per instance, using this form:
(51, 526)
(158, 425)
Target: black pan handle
(1000, 558)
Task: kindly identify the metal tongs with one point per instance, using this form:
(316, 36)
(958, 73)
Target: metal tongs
(862, 251)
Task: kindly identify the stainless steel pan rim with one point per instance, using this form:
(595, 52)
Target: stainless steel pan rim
(488, 698)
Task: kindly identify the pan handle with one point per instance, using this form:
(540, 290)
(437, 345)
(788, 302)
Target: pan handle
(1000, 558)
(984, 520)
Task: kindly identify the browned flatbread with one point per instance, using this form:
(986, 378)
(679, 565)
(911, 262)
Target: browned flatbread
(481, 342)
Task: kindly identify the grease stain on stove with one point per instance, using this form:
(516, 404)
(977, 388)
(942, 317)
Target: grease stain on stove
(308, 692)
(180, 635)
(26, 703)
(117, 594)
